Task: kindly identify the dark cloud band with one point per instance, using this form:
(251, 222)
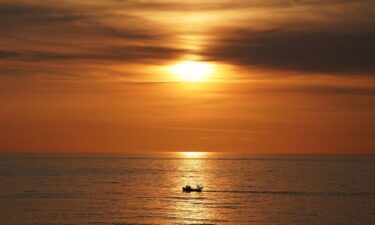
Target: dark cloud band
(299, 51)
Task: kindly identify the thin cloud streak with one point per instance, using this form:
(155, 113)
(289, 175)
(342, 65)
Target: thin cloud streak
(210, 129)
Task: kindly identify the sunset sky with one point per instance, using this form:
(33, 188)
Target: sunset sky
(277, 76)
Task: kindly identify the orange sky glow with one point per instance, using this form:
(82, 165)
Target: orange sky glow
(275, 76)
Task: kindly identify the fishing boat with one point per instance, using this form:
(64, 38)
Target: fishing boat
(188, 188)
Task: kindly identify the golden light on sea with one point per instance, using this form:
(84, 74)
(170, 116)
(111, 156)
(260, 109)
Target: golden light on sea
(193, 154)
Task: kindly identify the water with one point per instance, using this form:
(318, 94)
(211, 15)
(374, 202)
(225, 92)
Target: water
(146, 189)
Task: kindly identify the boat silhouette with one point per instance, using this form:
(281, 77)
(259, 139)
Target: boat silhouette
(188, 188)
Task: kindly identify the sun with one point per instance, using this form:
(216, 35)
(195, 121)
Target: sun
(192, 71)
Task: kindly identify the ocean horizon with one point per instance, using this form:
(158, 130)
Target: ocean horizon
(65, 188)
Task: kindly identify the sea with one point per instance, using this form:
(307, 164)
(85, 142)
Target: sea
(123, 189)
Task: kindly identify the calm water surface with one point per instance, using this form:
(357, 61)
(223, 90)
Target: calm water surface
(146, 189)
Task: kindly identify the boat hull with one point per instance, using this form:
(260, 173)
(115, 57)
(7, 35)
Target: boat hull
(191, 189)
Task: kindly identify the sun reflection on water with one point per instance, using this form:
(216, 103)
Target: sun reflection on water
(193, 207)
(193, 154)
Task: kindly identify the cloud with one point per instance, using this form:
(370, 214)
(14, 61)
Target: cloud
(8, 54)
(306, 36)
(41, 31)
(280, 35)
(208, 5)
(335, 90)
(122, 53)
(210, 129)
(299, 50)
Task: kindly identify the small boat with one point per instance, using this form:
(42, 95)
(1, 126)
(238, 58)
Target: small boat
(188, 188)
